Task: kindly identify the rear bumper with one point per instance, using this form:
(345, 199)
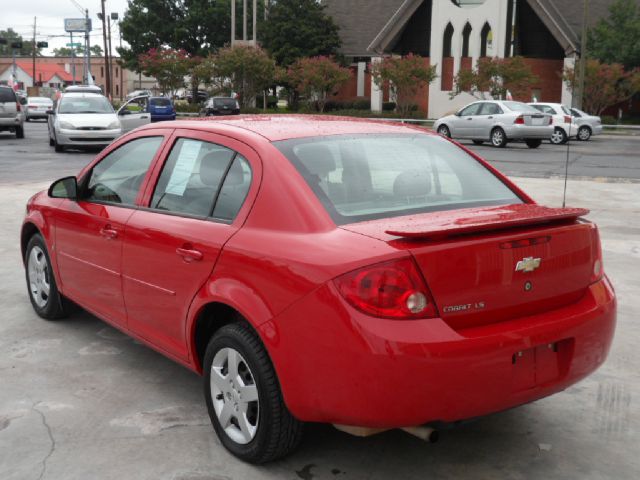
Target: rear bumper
(338, 366)
(11, 122)
(517, 132)
(157, 117)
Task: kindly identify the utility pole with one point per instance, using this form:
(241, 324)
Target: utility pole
(108, 19)
(106, 51)
(244, 20)
(583, 54)
(233, 22)
(33, 77)
(87, 52)
(73, 60)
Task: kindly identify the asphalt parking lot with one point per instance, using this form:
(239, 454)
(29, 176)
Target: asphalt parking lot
(80, 400)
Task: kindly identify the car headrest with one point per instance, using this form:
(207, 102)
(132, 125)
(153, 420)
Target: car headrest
(212, 167)
(235, 176)
(412, 183)
(316, 158)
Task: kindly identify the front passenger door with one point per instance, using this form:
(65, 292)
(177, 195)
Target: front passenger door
(466, 124)
(134, 114)
(89, 232)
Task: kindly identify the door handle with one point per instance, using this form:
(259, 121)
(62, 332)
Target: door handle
(108, 232)
(490, 118)
(144, 116)
(189, 254)
(469, 118)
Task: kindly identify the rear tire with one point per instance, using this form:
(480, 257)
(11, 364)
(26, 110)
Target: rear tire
(444, 131)
(51, 142)
(478, 142)
(41, 282)
(19, 132)
(255, 430)
(559, 137)
(533, 143)
(584, 133)
(498, 138)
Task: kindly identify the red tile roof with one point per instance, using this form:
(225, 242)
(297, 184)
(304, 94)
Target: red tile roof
(46, 71)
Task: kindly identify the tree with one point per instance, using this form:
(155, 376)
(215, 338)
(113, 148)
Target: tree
(616, 39)
(168, 66)
(317, 78)
(604, 84)
(246, 70)
(407, 75)
(10, 36)
(492, 77)
(299, 28)
(96, 51)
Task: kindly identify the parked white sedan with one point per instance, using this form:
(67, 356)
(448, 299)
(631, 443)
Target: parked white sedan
(564, 126)
(587, 124)
(497, 121)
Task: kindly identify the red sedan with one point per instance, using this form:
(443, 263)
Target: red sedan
(316, 269)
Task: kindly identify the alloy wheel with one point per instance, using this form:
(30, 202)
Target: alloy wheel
(38, 271)
(558, 136)
(584, 134)
(234, 394)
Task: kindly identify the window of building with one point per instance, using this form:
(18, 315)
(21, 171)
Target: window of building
(466, 34)
(446, 41)
(116, 72)
(486, 40)
(102, 72)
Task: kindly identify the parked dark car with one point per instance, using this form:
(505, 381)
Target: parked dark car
(220, 106)
(201, 96)
(161, 108)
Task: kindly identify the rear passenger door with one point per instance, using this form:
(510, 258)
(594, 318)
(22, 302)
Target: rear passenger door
(191, 209)
(487, 119)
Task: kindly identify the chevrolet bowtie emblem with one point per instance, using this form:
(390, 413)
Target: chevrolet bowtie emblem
(528, 264)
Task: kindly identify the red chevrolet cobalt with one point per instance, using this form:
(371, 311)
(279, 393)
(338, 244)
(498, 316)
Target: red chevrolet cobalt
(315, 269)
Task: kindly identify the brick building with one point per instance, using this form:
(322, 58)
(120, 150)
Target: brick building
(57, 72)
(453, 35)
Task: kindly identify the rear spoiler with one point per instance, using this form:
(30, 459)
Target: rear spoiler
(439, 225)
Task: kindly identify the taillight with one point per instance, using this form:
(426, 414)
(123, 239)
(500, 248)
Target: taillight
(519, 120)
(597, 271)
(567, 119)
(392, 289)
(18, 108)
(550, 120)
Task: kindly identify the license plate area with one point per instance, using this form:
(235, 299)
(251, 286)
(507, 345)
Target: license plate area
(539, 365)
(537, 121)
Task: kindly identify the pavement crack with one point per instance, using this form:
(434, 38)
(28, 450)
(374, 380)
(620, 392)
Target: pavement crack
(53, 440)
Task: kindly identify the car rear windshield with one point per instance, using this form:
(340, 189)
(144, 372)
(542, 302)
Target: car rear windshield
(85, 104)
(367, 177)
(7, 95)
(160, 102)
(225, 102)
(40, 100)
(520, 107)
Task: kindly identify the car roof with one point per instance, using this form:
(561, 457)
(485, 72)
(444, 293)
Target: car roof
(82, 94)
(157, 97)
(284, 127)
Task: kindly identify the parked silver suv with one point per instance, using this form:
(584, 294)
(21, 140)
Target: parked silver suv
(11, 112)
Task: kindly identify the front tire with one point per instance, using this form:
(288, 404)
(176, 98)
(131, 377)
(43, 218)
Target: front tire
(584, 133)
(444, 131)
(41, 282)
(243, 397)
(498, 138)
(531, 143)
(478, 142)
(559, 137)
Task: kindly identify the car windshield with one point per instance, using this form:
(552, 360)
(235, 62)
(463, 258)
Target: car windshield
(160, 102)
(85, 104)
(225, 102)
(520, 107)
(366, 177)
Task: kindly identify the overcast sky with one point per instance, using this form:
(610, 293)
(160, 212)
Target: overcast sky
(18, 15)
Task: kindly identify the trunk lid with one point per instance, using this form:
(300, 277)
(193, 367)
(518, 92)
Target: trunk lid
(492, 264)
(537, 119)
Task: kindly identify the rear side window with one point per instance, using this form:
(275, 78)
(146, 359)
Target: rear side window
(118, 176)
(7, 95)
(366, 177)
(202, 179)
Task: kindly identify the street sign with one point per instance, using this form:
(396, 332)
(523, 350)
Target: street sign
(74, 44)
(42, 44)
(77, 25)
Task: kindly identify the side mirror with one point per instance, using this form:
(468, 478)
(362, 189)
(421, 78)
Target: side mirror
(66, 187)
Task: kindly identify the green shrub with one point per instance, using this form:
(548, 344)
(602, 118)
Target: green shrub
(608, 120)
(388, 106)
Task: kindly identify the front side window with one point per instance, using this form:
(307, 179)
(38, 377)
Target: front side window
(366, 177)
(202, 179)
(118, 176)
(472, 109)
